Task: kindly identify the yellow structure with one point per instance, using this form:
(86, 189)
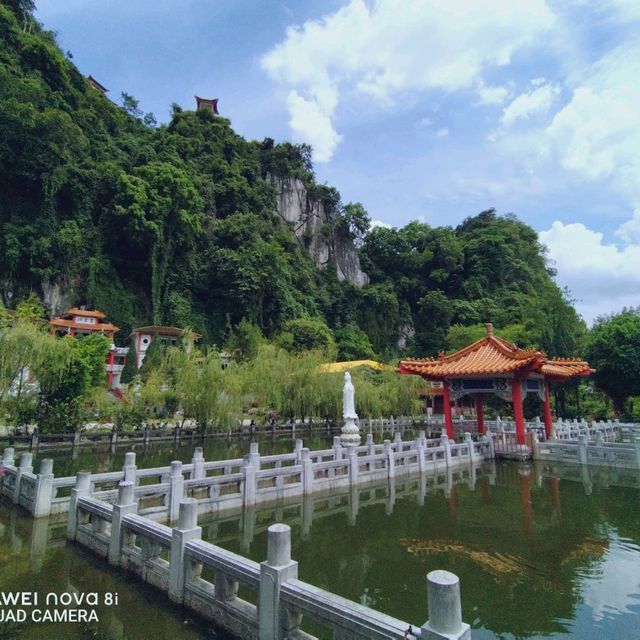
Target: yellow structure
(339, 367)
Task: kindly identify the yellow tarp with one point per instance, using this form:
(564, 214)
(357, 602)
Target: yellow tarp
(339, 367)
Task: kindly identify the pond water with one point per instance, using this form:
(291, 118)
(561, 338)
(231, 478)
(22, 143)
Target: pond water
(540, 552)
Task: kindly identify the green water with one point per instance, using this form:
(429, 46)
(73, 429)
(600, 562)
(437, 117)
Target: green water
(540, 552)
(537, 556)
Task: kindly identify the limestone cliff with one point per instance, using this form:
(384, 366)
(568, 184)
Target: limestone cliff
(312, 228)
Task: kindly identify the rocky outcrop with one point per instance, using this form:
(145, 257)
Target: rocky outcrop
(57, 296)
(311, 224)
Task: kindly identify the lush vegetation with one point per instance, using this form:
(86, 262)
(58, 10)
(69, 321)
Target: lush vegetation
(176, 224)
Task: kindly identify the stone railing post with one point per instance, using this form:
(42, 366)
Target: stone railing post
(371, 447)
(44, 489)
(534, 444)
(445, 609)
(273, 622)
(352, 457)
(488, 438)
(337, 448)
(446, 445)
(125, 505)
(249, 482)
(582, 449)
(397, 440)
(198, 472)
(254, 456)
(114, 436)
(468, 440)
(176, 490)
(390, 458)
(420, 453)
(82, 488)
(76, 438)
(298, 449)
(25, 466)
(186, 529)
(307, 471)
(129, 469)
(34, 439)
(8, 459)
(637, 445)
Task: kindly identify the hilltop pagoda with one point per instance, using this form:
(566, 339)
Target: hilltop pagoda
(494, 365)
(207, 104)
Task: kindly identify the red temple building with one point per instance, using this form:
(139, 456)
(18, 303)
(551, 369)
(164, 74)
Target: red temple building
(493, 365)
(96, 85)
(80, 321)
(208, 104)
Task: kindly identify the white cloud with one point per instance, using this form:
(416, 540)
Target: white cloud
(491, 95)
(602, 276)
(597, 133)
(312, 124)
(388, 49)
(537, 101)
(442, 133)
(630, 231)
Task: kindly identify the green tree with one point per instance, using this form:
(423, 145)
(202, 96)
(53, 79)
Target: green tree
(353, 343)
(613, 350)
(130, 369)
(153, 358)
(311, 333)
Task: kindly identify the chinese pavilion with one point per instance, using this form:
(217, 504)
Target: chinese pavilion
(494, 365)
(208, 104)
(96, 85)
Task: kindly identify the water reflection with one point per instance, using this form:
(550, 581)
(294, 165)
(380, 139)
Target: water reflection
(537, 555)
(34, 557)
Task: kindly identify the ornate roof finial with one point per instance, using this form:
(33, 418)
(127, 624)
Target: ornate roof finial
(489, 328)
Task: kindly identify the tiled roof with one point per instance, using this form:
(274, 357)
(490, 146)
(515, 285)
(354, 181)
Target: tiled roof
(87, 313)
(493, 356)
(82, 326)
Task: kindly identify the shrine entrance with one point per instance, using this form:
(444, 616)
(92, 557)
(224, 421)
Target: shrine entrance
(495, 366)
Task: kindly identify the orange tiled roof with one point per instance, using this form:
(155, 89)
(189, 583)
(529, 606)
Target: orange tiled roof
(492, 356)
(84, 312)
(70, 324)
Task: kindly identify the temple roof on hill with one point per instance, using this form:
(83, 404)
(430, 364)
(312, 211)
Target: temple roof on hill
(493, 356)
(87, 313)
(96, 85)
(339, 367)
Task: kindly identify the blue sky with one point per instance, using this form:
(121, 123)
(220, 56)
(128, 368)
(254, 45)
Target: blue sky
(419, 109)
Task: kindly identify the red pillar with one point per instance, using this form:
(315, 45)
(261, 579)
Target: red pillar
(480, 413)
(548, 420)
(448, 420)
(453, 505)
(518, 415)
(525, 500)
(555, 497)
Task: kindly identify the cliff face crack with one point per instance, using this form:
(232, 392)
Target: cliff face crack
(309, 219)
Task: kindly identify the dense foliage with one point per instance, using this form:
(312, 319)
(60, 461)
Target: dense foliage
(175, 224)
(613, 349)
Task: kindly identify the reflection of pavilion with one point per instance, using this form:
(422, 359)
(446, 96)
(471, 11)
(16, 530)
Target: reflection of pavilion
(493, 365)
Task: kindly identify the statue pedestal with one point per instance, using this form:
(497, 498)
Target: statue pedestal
(350, 433)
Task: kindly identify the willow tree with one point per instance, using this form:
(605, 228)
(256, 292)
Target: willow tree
(205, 391)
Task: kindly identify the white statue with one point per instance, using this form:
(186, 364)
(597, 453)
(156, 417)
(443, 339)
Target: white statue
(350, 431)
